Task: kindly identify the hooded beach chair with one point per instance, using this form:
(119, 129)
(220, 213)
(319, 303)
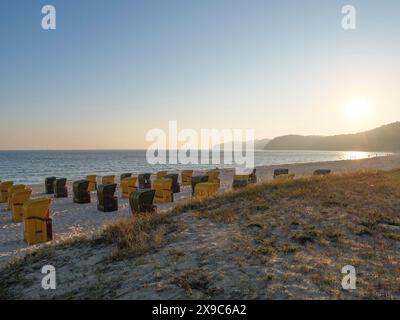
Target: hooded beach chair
(242, 180)
(161, 174)
(128, 185)
(92, 182)
(124, 175)
(108, 179)
(282, 175)
(176, 187)
(144, 181)
(60, 188)
(14, 188)
(322, 172)
(186, 177)
(4, 187)
(163, 190)
(280, 172)
(196, 180)
(36, 221)
(142, 201)
(81, 192)
(206, 189)
(18, 199)
(213, 176)
(107, 202)
(49, 185)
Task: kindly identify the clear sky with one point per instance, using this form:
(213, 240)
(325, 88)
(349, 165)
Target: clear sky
(112, 70)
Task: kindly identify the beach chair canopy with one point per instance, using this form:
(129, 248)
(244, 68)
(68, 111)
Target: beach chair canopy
(81, 191)
(142, 200)
(60, 188)
(105, 196)
(144, 181)
(49, 184)
(280, 171)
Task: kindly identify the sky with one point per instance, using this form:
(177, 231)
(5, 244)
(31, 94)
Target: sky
(113, 70)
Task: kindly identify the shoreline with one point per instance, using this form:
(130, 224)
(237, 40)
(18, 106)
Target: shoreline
(70, 219)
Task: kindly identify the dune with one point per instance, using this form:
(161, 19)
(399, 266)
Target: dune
(230, 247)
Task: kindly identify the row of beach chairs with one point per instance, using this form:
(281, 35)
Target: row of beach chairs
(141, 192)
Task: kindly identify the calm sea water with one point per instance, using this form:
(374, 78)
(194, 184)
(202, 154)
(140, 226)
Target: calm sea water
(33, 166)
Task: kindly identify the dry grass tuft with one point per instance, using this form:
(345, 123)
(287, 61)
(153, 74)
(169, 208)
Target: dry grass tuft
(139, 234)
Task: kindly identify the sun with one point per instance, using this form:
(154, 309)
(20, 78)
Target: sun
(357, 108)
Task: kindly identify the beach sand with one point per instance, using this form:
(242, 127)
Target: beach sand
(71, 219)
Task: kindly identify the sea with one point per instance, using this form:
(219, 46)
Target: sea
(31, 167)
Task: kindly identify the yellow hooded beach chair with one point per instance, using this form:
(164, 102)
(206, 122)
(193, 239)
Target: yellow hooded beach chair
(18, 199)
(213, 176)
(4, 187)
(37, 222)
(128, 185)
(108, 179)
(11, 191)
(206, 189)
(161, 174)
(186, 177)
(163, 190)
(92, 182)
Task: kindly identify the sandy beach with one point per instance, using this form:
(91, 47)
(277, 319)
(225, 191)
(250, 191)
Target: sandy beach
(70, 219)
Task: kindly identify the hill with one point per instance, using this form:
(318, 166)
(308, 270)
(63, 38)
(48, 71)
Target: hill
(385, 138)
(259, 144)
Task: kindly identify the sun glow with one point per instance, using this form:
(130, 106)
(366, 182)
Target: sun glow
(357, 108)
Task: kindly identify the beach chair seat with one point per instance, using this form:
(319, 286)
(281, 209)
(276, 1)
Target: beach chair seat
(322, 172)
(92, 182)
(11, 191)
(206, 189)
(186, 177)
(4, 187)
(108, 179)
(280, 171)
(213, 176)
(144, 181)
(81, 192)
(142, 201)
(18, 199)
(176, 187)
(163, 190)
(196, 180)
(49, 185)
(36, 221)
(128, 185)
(107, 202)
(161, 174)
(60, 188)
